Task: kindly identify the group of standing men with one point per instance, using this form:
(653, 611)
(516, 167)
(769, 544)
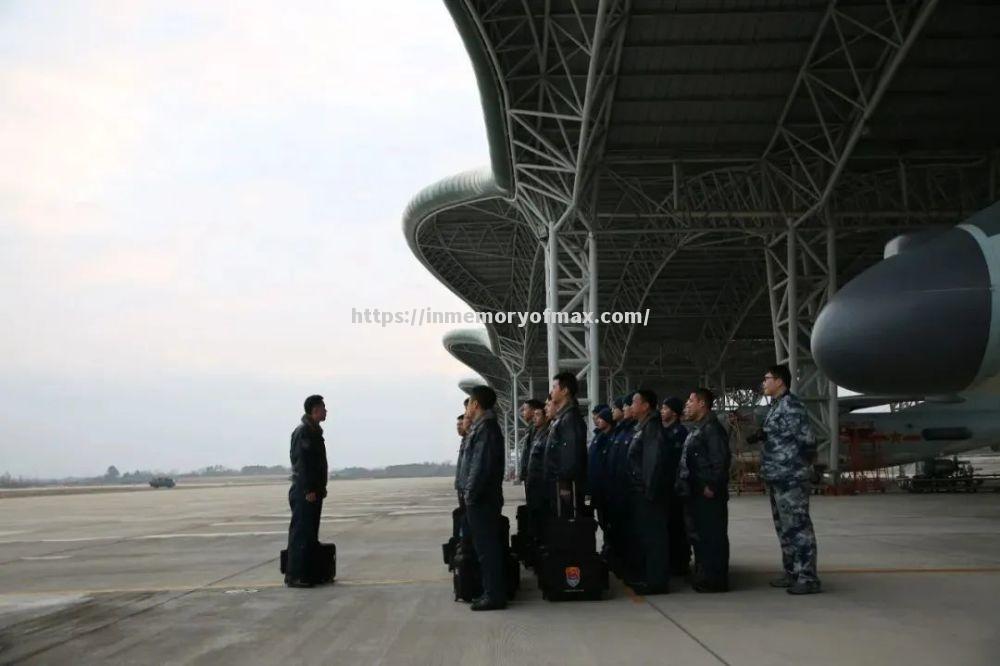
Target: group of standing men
(657, 475)
(657, 487)
(558, 469)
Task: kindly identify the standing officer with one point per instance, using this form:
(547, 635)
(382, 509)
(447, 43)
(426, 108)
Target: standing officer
(618, 509)
(703, 475)
(534, 486)
(597, 468)
(463, 428)
(309, 474)
(674, 434)
(528, 408)
(484, 469)
(788, 453)
(648, 497)
(566, 449)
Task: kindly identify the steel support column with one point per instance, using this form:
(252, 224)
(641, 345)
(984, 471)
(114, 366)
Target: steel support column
(833, 408)
(800, 280)
(514, 446)
(552, 300)
(593, 335)
(792, 304)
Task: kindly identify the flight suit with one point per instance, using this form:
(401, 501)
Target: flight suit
(704, 463)
(534, 484)
(522, 462)
(566, 455)
(459, 490)
(597, 475)
(483, 480)
(309, 475)
(648, 561)
(679, 547)
(616, 537)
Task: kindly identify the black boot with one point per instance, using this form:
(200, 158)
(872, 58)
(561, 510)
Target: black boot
(805, 587)
(486, 604)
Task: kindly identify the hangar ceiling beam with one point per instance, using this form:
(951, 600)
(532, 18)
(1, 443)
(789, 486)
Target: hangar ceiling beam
(827, 112)
(557, 131)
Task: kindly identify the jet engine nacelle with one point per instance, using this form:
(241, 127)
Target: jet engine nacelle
(924, 320)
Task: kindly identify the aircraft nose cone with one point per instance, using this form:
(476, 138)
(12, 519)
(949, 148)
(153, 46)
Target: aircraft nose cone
(917, 322)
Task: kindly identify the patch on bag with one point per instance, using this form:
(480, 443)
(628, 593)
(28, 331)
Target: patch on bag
(572, 576)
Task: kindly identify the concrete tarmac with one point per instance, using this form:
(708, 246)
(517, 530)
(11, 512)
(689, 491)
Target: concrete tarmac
(174, 577)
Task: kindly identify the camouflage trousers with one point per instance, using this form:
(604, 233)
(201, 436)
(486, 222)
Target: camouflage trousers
(790, 509)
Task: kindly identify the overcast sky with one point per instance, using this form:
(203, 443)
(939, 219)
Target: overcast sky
(193, 196)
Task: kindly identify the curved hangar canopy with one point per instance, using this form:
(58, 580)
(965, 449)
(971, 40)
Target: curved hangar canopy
(468, 383)
(682, 141)
(472, 347)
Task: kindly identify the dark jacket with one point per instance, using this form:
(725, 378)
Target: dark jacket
(645, 459)
(566, 449)
(484, 462)
(308, 456)
(597, 467)
(707, 457)
(673, 437)
(522, 470)
(534, 482)
(458, 465)
(617, 459)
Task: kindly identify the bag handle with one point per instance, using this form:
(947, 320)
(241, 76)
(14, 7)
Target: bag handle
(572, 500)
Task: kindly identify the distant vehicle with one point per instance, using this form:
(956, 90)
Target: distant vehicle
(943, 476)
(162, 482)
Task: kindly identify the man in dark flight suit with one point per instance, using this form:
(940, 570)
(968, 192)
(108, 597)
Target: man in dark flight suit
(309, 475)
(528, 408)
(462, 426)
(535, 495)
(566, 448)
(534, 476)
(618, 509)
(483, 479)
(648, 497)
(597, 465)
(674, 434)
(703, 474)
(463, 429)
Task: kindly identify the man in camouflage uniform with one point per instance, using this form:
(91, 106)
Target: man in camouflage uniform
(788, 454)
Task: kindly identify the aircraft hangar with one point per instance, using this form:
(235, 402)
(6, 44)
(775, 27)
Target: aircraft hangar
(725, 164)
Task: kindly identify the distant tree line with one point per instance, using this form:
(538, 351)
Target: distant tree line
(410, 471)
(141, 476)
